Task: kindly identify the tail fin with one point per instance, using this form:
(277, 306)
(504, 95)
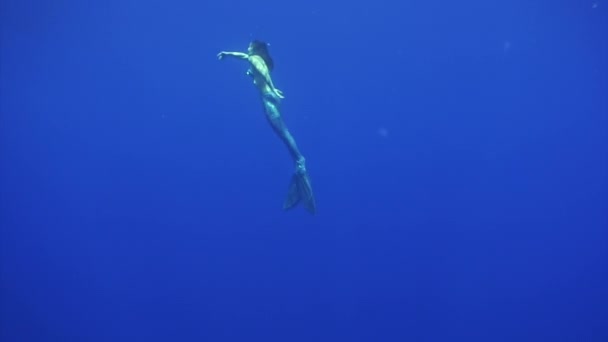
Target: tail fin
(300, 191)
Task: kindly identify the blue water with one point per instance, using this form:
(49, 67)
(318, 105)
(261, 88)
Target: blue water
(458, 152)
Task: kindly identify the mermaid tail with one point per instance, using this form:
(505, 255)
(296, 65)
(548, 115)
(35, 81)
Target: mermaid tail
(300, 190)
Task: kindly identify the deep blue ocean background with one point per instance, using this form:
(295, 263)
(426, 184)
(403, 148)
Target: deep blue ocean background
(458, 152)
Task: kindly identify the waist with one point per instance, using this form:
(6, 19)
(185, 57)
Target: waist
(269, 95)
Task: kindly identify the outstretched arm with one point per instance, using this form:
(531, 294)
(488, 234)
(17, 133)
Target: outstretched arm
(238, 55)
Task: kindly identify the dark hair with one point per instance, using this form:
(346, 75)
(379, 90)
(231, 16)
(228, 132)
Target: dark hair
(260, 48)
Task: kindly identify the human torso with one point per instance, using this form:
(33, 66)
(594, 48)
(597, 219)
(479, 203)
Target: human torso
(259, 80)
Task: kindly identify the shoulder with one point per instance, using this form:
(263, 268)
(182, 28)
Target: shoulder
(256, 58)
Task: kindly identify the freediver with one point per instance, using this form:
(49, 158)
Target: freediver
(260, 65)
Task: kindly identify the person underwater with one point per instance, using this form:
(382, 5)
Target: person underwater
(260, 65)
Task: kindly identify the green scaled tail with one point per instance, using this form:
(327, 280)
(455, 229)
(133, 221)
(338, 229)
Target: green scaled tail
(300, 190)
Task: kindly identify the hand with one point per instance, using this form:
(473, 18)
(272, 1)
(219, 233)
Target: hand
(221, 55)
(279, 93)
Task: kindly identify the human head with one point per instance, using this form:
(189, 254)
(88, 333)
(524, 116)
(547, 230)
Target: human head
(260, 48)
